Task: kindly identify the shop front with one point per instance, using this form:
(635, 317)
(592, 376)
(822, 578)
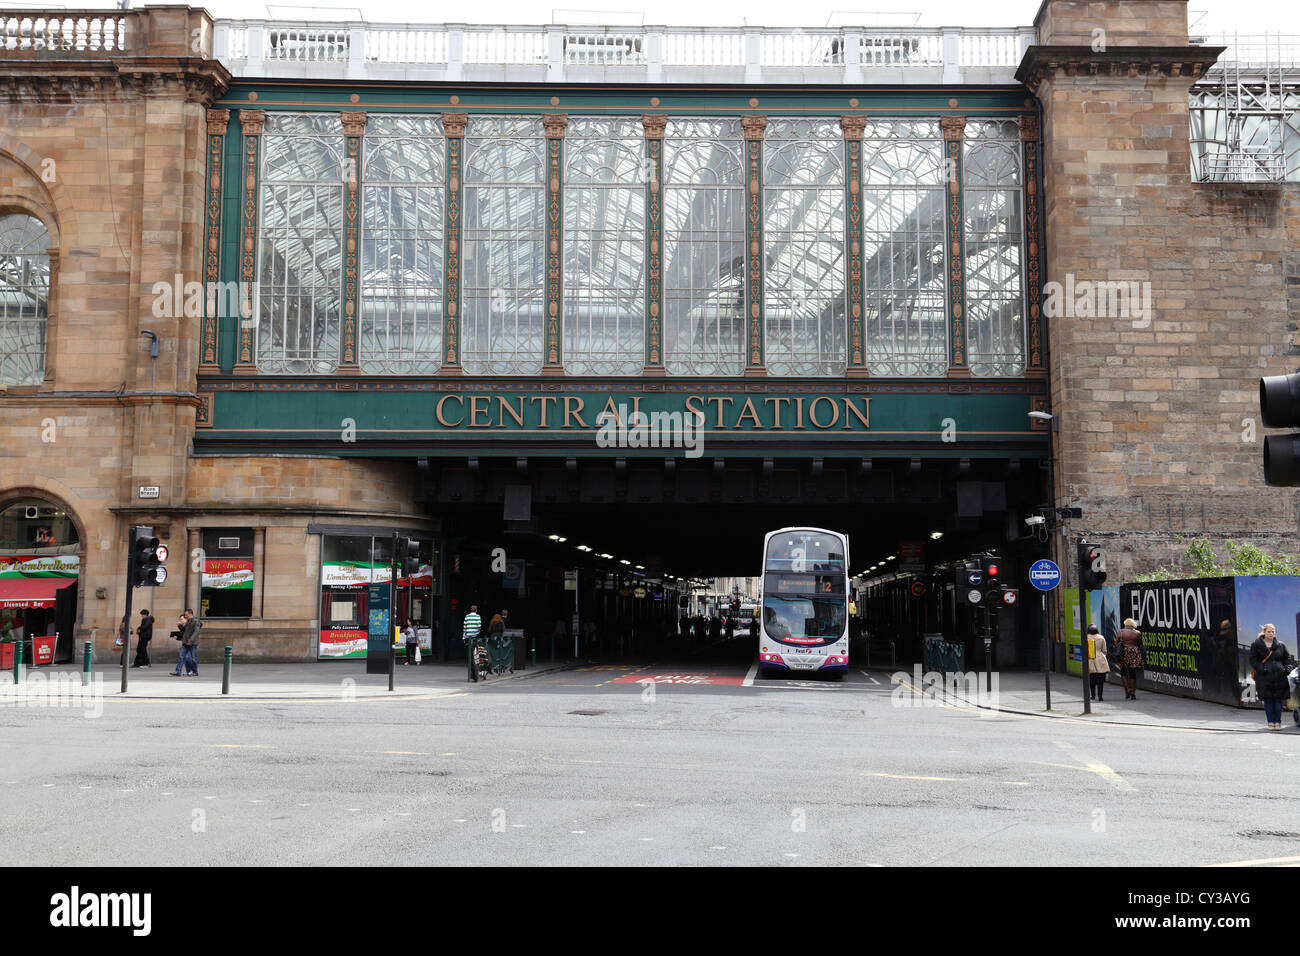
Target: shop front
(357, 594)
(39, 571)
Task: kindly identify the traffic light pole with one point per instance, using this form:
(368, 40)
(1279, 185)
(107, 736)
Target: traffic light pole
(1083, 629)
(130, 594)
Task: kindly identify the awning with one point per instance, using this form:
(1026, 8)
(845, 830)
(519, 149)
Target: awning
(31, 592)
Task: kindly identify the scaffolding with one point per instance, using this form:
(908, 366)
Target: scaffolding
(1245, 111)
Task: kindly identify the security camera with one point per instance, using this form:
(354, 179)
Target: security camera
(1034, 520)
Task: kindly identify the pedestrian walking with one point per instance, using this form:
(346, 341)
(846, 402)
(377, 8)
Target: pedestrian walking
(189, 659)
(469, 635)
(1098, 666)
(412, 643)
(145, 632)
(1269, 662)
(1128, 651)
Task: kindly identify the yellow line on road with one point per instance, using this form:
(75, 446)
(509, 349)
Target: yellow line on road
(903, 776)
(1100, 769)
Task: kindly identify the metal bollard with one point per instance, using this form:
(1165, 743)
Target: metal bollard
(85, 664)
(392, 664)
(225, 672)
(533, 650)
(18, 662)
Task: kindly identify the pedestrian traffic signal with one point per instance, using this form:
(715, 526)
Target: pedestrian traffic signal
(1092, 566)
(146, 555)
(1279, 407)
(970, 585)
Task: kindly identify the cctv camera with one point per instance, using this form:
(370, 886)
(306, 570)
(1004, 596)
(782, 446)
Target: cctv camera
(1034, 520)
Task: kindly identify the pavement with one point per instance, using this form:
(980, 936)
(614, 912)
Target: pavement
(1022, 692)
(321, 680)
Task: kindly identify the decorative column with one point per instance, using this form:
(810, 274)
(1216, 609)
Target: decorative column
(853, 127)
(250, 122)
(754, 127)
(209, 361)
(554, 124)
(954, 128)
(354, 128)
(1036, 366)
(654, 124)
(453, 128)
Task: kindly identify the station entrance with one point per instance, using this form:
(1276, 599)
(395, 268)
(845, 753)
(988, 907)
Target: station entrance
(599, 559)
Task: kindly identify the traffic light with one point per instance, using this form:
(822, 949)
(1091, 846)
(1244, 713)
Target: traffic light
(407, 557)
(1092, 566)
(1279, 407)
(989, 567)
(970, 585)
(147, 556)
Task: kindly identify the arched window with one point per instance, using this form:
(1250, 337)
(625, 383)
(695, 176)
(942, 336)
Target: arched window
(24, 298)
(34, 526)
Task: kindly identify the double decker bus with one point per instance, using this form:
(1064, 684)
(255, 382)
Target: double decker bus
(805, 602)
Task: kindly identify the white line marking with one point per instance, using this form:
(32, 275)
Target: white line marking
(868, 677)
(749, 678)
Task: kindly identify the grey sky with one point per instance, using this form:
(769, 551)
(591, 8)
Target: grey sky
(1244, 16)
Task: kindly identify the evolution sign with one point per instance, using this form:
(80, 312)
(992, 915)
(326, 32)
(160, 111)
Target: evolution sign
(367, 416)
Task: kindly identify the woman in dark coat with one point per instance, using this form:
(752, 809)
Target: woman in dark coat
(1128, 650)
(1270, 662)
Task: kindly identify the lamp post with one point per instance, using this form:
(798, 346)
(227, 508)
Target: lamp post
(1052, 428)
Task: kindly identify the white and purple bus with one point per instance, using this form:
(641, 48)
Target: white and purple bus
(805, 603)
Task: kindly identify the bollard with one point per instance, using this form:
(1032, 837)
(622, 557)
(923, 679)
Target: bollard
(18, 662)
(533, 650)
(392, 664)
(225, 672)
(85, 664)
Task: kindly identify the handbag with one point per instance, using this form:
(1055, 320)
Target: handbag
(1264, 661)
(417, 653)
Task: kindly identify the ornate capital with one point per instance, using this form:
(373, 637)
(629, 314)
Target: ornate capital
(654, 124)
(354, 122)
(1029, 128)
(1134, 64)
(453, 124)
(218, 120)
(554, 124)
(251, 121)
(852, 126)
(753, 126)
(953, 127)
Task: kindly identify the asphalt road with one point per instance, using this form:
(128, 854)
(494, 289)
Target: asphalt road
(600, 766)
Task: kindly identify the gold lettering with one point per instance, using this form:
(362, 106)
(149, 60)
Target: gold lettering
(776, 408)
(696, 410)
(505, 407)
(611, 410)
(717, 419)
(636, 404)
(569, 411)
(863, 416)
(798, 413)
(812, 411)
(543, 399)
(748, 411)
(438, 412)
(475, 411)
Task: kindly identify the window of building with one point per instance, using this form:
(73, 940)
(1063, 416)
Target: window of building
(24, 298)
(226, 584)
(903, 263)
(804, 301)
(502, 289)
(995, 304)
(300, 264)
(403, 205)
(604, 247)
(704, 247)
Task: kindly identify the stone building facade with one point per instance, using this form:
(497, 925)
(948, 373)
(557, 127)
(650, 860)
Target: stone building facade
(109, 149)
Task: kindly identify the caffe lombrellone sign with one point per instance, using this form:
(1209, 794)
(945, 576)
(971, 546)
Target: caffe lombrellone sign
(360, 417)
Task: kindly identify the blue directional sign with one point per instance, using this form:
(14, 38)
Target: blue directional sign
(1044, 575)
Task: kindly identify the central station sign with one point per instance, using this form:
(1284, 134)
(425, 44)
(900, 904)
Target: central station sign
(446, 417)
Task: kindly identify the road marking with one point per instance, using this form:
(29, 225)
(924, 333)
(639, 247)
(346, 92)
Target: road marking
(1103, 771)
(242, 746)
(749, 677)
(1016, 783)
(408, 753)
(903, 776)
(578, 831)
(1280, 860)
(868, 677)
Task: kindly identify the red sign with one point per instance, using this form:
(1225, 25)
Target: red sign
(43, 650)
(698, 679)
(911, 555)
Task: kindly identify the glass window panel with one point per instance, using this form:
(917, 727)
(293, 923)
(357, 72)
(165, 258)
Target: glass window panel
(24, 298)
(604, 247)
(803, 234)
(502, 286)
(300, 261)
(995, 327)
(403, 190)
(704, 247)
(904, 277)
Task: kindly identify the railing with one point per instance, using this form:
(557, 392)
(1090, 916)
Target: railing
(77, 33)
(256, 48)
(1254, 51)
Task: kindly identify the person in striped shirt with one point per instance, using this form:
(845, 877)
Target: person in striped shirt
(470, 634)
